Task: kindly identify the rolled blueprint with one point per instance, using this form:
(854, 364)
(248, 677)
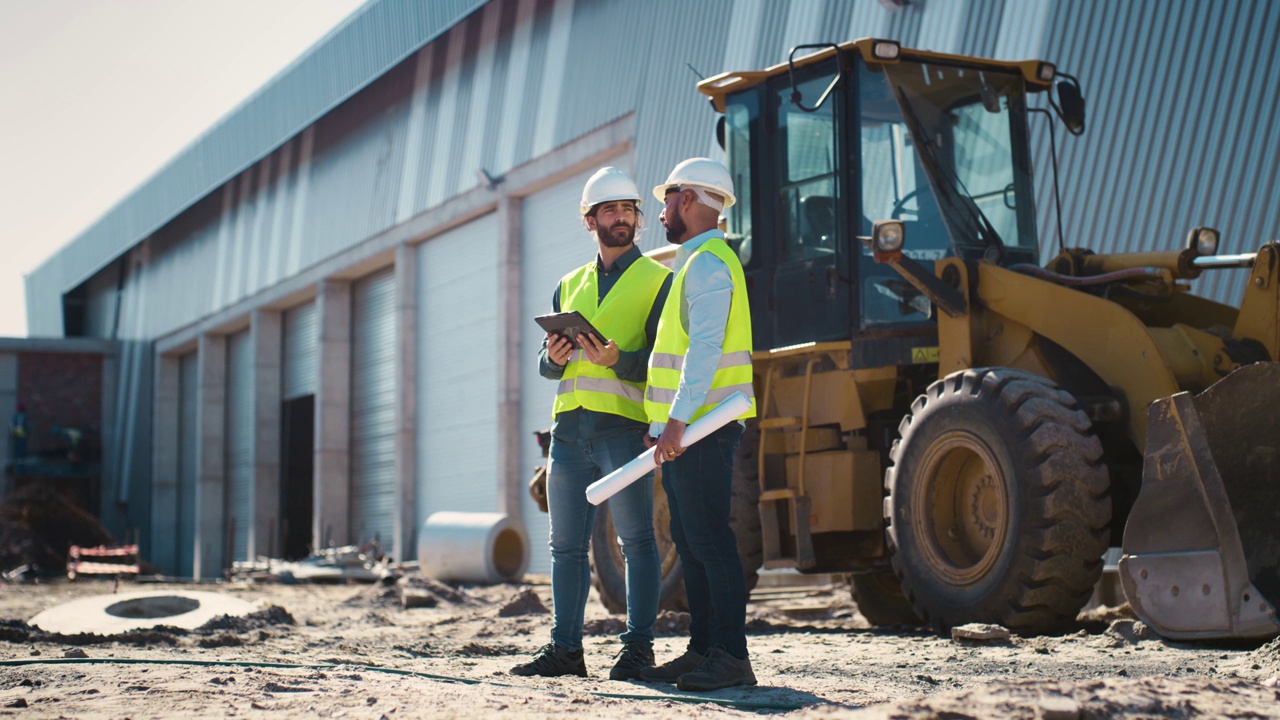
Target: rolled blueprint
(721, 415)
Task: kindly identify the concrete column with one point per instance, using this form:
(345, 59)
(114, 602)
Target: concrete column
(165, 466)
(113, 482)
(333, 417)
(510, 484)
(211, 454)
(8, 401)
(405, 540)
(266, 337)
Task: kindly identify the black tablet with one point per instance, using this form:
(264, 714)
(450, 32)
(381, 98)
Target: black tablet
(570, 325)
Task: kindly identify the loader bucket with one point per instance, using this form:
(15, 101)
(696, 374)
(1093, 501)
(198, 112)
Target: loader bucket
(1202, 543)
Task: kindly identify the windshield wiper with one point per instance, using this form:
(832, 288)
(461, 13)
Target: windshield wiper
(948, 186)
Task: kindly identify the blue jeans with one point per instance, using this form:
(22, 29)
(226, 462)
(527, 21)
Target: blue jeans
(572, 467)
(699, 487)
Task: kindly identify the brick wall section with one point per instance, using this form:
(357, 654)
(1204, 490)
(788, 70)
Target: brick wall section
(63, 389)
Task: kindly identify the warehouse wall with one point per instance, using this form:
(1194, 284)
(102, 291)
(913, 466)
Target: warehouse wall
(1172, 139)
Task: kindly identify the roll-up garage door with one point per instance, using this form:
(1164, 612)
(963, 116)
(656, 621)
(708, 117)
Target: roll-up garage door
(188, 474)
(301, 351)
(554, 243)
(239, 437)
(373, 409)
(457, 373)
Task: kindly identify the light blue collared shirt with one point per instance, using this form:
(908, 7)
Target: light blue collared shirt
(704, 314)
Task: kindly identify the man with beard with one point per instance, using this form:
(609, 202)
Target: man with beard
(600, 425)
(701, 356)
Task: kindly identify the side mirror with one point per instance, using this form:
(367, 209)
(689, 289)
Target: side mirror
(1070, 103)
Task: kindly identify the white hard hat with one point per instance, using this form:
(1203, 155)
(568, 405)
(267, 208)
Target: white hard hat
(700, 174)
(609, 184)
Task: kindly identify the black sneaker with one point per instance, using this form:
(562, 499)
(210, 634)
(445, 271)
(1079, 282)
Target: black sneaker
(721, 670)
(552, 661)
(633, 658)
(669, 671)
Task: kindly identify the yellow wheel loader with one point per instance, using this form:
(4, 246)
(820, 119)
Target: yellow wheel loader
(965, 430)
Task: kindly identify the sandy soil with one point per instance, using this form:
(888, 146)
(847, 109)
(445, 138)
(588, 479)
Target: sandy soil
(353, 651)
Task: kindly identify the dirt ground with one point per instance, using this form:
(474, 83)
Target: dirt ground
(353, 651)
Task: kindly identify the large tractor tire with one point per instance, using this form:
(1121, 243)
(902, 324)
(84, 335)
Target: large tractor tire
(880, 599)
(998, 503)
(609, 567)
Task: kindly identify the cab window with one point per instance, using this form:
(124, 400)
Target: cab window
(808, 163)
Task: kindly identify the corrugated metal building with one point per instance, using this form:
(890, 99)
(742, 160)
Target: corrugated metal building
(336, 281)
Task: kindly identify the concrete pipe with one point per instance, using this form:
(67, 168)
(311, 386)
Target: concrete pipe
(472, 547)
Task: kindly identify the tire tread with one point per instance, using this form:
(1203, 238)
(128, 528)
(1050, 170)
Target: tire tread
(1057, 551)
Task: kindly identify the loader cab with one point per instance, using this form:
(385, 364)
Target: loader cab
(822, 149)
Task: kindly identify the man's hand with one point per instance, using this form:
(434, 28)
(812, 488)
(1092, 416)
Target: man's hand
(559, 349)
(605, 355)
(668, 445)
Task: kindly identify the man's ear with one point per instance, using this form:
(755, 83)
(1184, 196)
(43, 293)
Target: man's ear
(590, 222)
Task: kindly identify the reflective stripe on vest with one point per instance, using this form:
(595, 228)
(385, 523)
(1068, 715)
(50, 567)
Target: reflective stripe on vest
(666, 363)
(621, 318)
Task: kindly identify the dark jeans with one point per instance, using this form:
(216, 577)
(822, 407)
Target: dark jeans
(699, 485)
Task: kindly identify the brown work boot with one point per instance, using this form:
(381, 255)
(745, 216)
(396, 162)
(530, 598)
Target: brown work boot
(553, 661)
(721, 670)
(669, 671)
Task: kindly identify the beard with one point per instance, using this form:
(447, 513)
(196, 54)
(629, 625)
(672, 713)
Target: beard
(675, 225)
(609, 237)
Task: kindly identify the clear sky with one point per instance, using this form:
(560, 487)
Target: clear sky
(97, 95)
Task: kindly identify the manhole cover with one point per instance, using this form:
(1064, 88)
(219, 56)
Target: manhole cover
(115, 614)
(162, 606)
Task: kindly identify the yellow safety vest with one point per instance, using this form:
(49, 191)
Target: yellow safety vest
(666, 363)
(621, 318)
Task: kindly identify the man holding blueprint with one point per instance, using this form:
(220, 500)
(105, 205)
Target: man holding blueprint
(600, 424)
(702, 355)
